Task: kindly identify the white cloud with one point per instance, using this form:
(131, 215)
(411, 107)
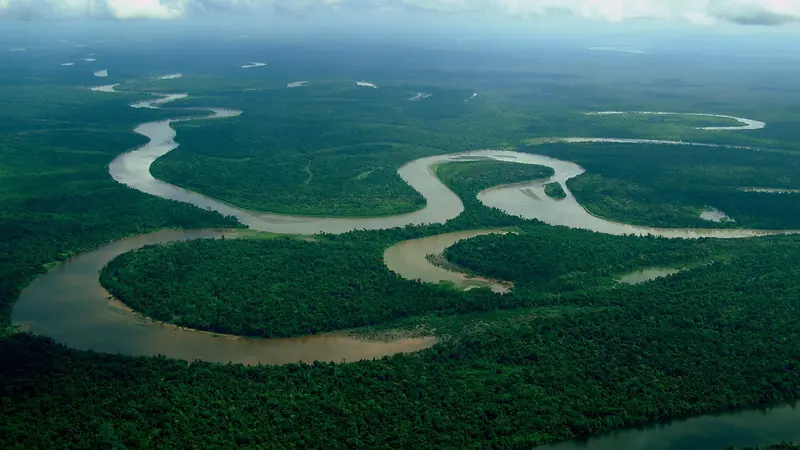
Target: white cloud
(146, 8)
(766, 12)
(748, 12)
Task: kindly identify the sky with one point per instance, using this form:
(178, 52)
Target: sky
(708, 13)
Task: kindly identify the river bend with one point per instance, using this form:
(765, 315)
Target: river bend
(69, 304)
(524, 200)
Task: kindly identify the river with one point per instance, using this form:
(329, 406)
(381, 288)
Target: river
(709, 432)
(409, 259)
(69, 305)
(133, 169)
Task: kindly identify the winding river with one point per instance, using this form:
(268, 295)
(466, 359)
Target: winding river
(409, 259)
(522, 199)
(69, 305)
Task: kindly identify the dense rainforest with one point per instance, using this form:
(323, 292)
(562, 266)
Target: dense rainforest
(57, 196)
(292, 158)
(516, 378)
(670, 186)
(289, 287)
(568, 353)
(273, 288)
(557, 259)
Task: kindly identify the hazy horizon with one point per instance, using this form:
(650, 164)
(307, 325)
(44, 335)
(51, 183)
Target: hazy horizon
(554, 15)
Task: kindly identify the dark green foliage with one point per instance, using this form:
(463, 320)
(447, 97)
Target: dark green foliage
(555, 190)
(274, 288)
(350, 181)
(557, 259)
(287, 287)
(717, 337)
(330, 149)
(669, 186)
(58, 199)
(471, 177)
(513, 381)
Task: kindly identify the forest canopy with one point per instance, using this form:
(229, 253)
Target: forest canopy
(568, 353)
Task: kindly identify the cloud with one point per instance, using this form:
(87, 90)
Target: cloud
(117, 9)
(765, 18)
(758, 13)
(743, 12)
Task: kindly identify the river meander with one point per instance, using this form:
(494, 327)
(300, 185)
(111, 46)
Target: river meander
(409, 259)
(69, 305)
(524, 200)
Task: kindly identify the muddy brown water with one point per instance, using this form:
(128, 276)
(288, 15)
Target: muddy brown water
(69, 305)
(409, 260)
(524, 200)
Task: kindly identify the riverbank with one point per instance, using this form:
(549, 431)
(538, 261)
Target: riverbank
(537, 360)
(133, 170)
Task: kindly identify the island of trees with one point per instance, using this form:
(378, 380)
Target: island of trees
(554, 190)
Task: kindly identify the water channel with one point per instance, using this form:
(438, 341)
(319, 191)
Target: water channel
(69, 305)
(133, 169)
(409, 259)
(748, 428)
